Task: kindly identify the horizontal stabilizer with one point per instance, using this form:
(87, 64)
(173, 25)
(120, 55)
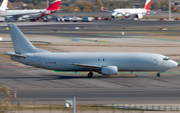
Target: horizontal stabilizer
(14, 54)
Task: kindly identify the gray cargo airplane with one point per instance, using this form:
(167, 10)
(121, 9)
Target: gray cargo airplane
(103, 63)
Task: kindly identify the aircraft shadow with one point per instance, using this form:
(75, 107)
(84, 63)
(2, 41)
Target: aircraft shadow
(59, 77)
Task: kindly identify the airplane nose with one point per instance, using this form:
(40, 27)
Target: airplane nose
(175, 64)
(170, 64)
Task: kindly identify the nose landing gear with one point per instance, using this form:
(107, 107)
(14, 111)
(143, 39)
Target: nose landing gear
(158, 75)
(90, 74)
(113, 17)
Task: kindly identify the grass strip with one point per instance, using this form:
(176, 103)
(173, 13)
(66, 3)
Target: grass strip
(6, 57)
(49, 107)
(136, 37)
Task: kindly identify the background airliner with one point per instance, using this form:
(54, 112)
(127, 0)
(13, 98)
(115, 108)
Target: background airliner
(17, 15)
(4, 5)
(103, 63)
(137, 12)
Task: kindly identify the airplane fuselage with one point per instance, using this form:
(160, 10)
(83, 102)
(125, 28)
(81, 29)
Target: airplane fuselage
(127, 12)
(14, 12)
(101, 62)
(123, 61)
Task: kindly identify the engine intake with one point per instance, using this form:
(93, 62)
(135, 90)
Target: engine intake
(47, 12)
(109, 70)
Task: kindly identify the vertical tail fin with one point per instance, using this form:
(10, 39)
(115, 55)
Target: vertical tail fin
(4, 5)
(147, 5)
(54, 5)
(20, 42)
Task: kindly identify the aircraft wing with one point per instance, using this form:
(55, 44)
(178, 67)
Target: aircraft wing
(14, 54)
(22, 13)
(88, 66)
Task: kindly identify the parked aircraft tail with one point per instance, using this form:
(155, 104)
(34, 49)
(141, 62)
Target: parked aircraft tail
(4, 5)
(54, 5)
(147, 5)
(20, 42)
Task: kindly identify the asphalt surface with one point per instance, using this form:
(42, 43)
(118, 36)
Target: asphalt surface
(103, 26)
(41, 86)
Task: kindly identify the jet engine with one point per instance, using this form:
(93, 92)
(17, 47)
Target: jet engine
(139, 16)
(47, 12)
(35, 15)
(109, 70)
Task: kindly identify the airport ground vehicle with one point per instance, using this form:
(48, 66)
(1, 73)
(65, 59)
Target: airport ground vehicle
(60, 19)
(87, 19)
(2, 19)
(68, 19)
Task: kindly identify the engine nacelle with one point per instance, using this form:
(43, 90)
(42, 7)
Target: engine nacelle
(26, 16)
(47, 12)
(35, 15)
(109, 70)
(139, 16)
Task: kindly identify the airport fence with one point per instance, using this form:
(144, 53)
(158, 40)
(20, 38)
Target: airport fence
(49, 107)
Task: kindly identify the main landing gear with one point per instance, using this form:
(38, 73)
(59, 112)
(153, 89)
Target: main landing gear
(158, 75)
(90, 74)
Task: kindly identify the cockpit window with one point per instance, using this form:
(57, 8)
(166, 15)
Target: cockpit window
(166, 58)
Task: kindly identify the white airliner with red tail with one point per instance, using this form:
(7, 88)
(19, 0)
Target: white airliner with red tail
(136, 12)
(16, 15)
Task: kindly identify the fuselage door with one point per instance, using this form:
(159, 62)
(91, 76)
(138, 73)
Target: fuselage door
(155, 60)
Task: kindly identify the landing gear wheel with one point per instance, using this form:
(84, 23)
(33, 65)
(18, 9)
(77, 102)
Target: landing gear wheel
(158, 75)
(90, 74)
